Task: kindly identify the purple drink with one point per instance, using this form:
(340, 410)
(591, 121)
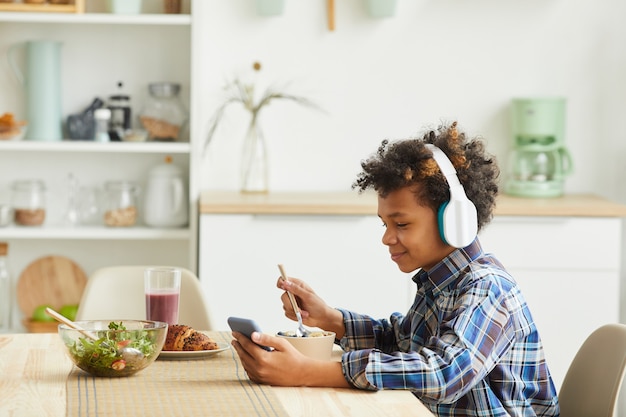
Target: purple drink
(162, 306)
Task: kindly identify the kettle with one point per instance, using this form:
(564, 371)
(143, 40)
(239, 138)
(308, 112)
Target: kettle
(165, 199)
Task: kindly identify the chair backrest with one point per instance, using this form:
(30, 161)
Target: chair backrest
(593, 380)
(117, 292)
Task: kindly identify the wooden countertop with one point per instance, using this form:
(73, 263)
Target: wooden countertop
(352, 203)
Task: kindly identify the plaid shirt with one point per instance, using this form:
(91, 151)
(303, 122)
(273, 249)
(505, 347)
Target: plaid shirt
(467, 347)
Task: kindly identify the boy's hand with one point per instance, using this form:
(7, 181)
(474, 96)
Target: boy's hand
(315, 312)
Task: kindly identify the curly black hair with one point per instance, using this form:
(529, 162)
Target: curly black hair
(408, 162)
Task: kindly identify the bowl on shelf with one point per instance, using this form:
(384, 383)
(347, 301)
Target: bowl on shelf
(137, 135)
(317, 345)
(12, 133)
(122, 348)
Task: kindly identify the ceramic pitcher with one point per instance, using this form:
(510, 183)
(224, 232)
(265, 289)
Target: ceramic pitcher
(165, 203)
(41, 79)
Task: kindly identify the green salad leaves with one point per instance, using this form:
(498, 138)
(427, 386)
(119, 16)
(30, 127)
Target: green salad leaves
(117, 352)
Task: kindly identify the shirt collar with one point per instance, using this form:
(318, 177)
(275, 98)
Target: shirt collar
(448, 269)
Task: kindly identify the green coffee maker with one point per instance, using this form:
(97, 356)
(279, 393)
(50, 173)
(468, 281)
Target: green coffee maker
(540, 161)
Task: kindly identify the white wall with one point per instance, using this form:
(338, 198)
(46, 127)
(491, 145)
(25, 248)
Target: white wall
(388, 78)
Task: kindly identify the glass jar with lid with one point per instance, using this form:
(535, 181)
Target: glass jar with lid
(29, 202)
(164, 117)
(121, 203)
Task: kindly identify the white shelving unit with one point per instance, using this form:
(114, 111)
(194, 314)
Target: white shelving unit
(86, 146)
(99, 49)
(97, 18)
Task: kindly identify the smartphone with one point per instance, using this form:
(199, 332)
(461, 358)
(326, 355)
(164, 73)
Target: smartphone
(245, 327)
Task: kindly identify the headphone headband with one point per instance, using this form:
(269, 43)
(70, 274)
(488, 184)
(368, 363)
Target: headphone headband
(457, 218)
(448, 171)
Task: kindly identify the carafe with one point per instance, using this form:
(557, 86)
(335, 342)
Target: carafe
(165, 203)
(41, 79)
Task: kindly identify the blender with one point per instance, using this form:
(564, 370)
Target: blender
(540, 161)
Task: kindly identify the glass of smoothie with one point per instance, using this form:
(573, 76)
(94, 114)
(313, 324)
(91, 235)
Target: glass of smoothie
(162, 288)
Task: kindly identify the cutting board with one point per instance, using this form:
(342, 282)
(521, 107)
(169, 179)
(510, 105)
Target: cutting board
(53, 280)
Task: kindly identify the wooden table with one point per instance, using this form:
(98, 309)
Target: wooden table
(34, 372)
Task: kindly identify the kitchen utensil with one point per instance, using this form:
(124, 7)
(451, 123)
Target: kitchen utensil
(166, 203)
(301, 331)
(540, 161)
(82, 126)
(51, 280)
(62, 319)
(42, 81)
(119, 105)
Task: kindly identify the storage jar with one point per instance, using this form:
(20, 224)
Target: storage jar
(121, 203)
(164, 117)
(29, 202)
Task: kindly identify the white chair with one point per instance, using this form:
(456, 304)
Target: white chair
(593, 381)
(117, 292)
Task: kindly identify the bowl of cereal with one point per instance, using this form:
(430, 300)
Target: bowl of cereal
(317, 345)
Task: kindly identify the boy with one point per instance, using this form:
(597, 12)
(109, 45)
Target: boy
(468, 345)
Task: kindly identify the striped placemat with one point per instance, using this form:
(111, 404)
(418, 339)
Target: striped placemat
(213, 386)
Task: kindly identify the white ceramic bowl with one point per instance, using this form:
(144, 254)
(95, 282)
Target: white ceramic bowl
(319, 345)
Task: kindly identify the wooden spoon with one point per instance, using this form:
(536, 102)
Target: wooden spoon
(130, 354)
(62, 319)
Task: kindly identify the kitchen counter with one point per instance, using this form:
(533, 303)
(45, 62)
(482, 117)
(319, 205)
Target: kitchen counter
(352, 203)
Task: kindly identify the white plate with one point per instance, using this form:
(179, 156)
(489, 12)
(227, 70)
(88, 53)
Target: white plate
(192, 354)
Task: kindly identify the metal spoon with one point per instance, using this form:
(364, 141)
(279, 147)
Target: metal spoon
(301, 331)
(129, 354)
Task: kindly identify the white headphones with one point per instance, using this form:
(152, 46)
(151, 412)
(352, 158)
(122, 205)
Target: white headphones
(457, 218)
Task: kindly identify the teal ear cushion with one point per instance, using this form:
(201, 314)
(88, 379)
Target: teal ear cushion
(440, 221)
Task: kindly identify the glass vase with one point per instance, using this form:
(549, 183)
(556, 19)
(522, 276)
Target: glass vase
(254, 169)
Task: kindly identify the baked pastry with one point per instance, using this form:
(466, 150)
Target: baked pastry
(181, 337)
